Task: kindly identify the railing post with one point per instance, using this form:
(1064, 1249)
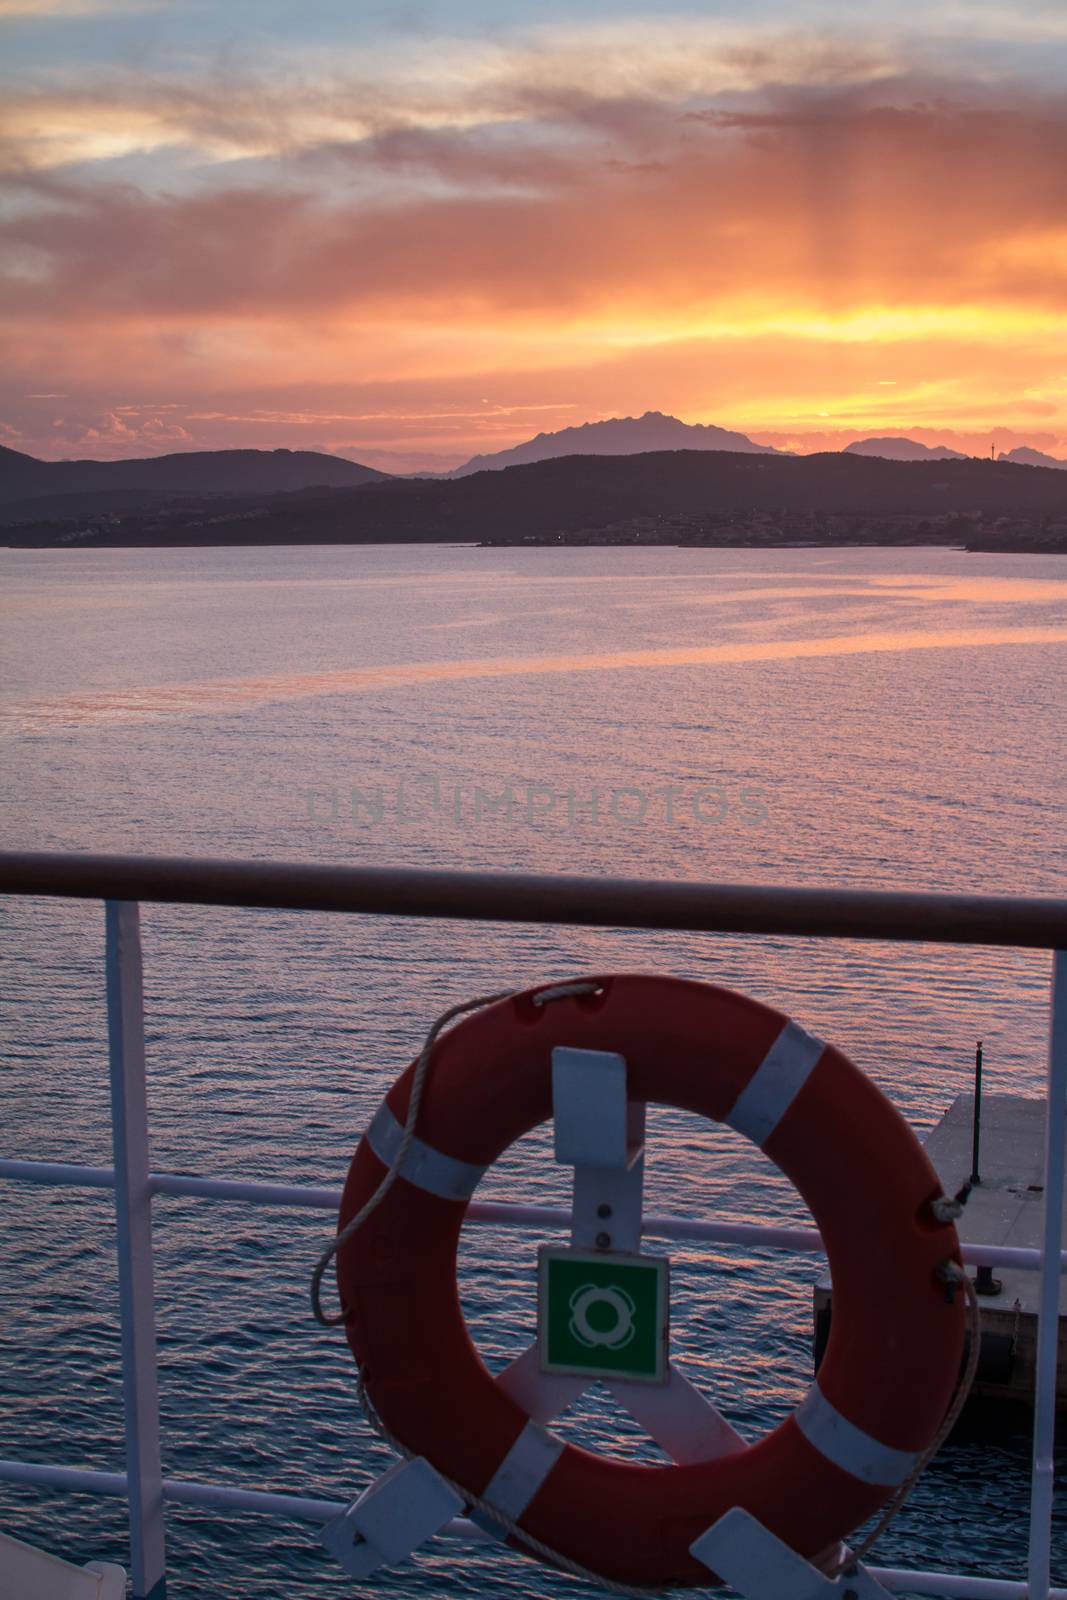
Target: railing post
(1049, 1304)
(133, 1218)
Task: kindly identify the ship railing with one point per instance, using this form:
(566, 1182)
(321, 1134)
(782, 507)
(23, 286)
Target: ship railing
(123, 882)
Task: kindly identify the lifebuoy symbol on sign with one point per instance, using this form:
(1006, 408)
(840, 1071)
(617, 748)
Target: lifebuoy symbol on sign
(590, 1326)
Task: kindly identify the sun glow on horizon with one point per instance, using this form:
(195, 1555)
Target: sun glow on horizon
(409, 247)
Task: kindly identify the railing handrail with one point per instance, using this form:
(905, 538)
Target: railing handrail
(1019, 921)
(124, 881)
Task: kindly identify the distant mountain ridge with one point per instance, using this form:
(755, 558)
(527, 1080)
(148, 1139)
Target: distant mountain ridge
(617, 436)
(901, 449)
(1024, 456)
(25, 478)
(32, 489)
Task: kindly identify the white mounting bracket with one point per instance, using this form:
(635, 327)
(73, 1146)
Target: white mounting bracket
(400, 1510)
(746, 1555)
(601, 1134)
(26, 1570)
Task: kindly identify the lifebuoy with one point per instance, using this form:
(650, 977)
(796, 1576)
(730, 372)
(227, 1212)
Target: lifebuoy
(894, 1353)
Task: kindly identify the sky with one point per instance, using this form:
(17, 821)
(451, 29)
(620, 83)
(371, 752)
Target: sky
(407, 233)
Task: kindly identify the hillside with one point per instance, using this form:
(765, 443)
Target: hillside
(675, 497)
(25, 479)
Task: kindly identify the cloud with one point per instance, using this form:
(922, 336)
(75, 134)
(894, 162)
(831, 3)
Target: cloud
(825, 200)
(231, 103)
(124, 431)
(765, 228)
(222, 104)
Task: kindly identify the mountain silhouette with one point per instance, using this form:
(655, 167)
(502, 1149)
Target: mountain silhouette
(617, 436)
(1024, 456)
(899, 449)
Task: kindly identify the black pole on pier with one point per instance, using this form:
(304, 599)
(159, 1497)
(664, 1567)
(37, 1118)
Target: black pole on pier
(984, 1282)
(977, 1132)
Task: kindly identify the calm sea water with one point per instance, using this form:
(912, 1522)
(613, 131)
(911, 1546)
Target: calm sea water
(884, 718)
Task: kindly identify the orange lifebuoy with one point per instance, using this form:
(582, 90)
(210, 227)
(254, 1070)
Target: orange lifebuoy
(894, 1352)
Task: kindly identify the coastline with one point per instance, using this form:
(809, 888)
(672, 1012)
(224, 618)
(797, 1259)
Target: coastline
(543, 542)
(685, 498)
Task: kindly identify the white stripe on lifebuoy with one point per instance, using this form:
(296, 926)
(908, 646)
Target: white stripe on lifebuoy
(847, 1446)
(775, 1084)
(519, 1476)
(423, 1166)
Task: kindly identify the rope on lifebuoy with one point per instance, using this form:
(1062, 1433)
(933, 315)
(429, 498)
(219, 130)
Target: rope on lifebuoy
(953, 1275)
(352, 1227)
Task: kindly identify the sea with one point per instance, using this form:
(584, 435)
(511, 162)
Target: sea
(855, 718)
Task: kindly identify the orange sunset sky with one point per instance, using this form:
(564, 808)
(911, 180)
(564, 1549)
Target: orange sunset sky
(409, 232)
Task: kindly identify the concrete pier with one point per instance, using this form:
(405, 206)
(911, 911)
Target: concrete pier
(1004, 1209)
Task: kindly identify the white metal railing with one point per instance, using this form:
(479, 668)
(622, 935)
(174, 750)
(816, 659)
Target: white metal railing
(752, 910)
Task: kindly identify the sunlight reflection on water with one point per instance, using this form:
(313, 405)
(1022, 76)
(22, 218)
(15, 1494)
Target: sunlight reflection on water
(203, 698)
(185, 701)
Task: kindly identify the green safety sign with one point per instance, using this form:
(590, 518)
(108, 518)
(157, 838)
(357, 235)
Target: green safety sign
(603, 1316)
